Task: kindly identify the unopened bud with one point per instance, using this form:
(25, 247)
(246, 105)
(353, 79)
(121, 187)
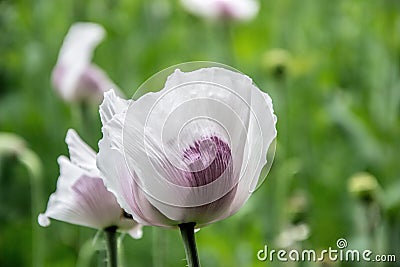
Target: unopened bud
(277, 62)
(363, 186)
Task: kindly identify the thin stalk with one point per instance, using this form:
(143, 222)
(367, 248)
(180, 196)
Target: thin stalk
(111, 242)
(120, 249)
(158, 247)
(81, 116)
(189, 241)
(86, 120)
(34, 166)
(86, 252)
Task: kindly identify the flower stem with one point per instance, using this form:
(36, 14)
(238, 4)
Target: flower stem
(159, 247)
(187, 232)
(111, 240)
(35, 168)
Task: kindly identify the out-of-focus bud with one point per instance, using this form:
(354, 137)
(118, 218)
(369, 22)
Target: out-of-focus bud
(11, 144)
(16, 149)
(297, 230)
(298, 207)
(363, 186)
(277, 62)
(292, 234)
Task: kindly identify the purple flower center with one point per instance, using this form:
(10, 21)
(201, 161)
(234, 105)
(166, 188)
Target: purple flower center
(225, 10)
(207, 159)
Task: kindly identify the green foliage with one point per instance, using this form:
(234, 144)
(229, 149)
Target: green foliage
(331, 67)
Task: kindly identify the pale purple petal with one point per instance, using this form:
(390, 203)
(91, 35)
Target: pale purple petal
(255, 157)
(67, 204)
(75, 57)
(119, 180)
(208, 159)
(260, 124)
(81, 197)
(93, 83)
(223, 9)
(98, 204)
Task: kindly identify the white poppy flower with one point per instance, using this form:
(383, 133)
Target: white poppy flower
(192, 152)
(81, 197)
(75, 77)
(223, 9)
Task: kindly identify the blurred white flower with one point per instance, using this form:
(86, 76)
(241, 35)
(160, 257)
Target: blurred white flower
(81, 197)
(293, 234)
(75, 77)
(192, 152)
(223, 9)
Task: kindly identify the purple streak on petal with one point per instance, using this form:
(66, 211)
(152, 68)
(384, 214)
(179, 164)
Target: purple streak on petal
(93, 198)
(141, 206)
(94, 82)
(57, 76)
(225, 10)
(119, 180)
(207, 160)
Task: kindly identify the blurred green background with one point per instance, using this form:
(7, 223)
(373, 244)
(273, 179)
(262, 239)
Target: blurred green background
(331, 67)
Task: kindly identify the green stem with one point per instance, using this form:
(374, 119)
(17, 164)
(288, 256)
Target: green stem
(187, 232)
(86, 120)
(34, 166)
(111, 240)
(121, 251)
(159, 246)
(225, 35)
(86, 252)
